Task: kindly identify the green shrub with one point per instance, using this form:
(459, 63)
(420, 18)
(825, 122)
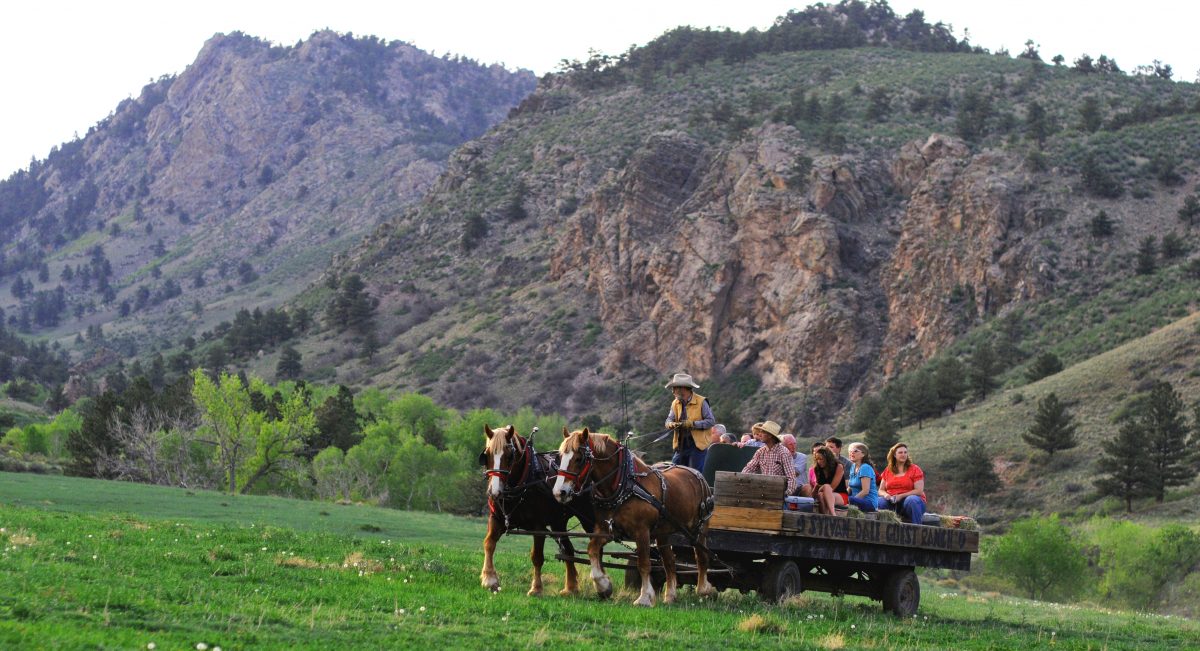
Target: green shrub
(1041, 557)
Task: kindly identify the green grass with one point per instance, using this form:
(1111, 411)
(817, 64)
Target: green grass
(92, 564)
(76, 495)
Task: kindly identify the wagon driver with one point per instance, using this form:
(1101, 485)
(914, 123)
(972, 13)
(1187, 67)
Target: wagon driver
(691, 418)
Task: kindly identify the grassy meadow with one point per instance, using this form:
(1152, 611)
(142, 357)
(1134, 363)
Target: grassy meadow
(93, 564)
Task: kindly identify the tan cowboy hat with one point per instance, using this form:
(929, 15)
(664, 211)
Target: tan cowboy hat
(682, 380)
(769, 427)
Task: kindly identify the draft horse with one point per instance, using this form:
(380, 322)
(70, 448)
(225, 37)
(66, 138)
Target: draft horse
(519, 497)
(633, 500)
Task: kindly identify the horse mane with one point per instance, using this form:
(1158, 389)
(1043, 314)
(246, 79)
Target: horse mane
(571, 443)
(495, 445)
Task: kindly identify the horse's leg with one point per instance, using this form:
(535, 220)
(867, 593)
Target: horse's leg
(646, 597)
(596, 555)
(703, 587)
(537, 555)
(488, 576)
(668, 559)
(571, 586)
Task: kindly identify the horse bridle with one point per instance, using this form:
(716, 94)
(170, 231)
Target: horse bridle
(504, 473)
(579, 479)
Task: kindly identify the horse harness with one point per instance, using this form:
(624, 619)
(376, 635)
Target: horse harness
(537, 469)
(625, 485)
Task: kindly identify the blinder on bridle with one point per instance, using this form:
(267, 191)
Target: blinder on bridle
(503, 473)
(586, 457)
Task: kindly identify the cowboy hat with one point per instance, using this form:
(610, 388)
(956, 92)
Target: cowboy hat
(768, 427)
(682, 380)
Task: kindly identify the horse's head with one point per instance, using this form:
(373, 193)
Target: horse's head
(502, 450)
(577, 453)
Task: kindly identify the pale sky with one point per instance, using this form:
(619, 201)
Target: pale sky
(66, 64)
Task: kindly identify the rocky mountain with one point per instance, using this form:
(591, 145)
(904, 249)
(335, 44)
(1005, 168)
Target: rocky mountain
(794, 228)
(795, 216)
(230, 185)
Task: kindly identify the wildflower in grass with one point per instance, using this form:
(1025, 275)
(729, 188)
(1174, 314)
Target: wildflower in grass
(401, 611)
(422, 608)
(200, 646)
(152, 646)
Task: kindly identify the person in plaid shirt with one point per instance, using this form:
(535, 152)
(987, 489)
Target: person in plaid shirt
(773, 458)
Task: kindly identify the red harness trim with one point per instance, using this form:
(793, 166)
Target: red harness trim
(578, 477)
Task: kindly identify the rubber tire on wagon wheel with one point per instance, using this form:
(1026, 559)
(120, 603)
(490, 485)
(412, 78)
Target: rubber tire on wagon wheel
(780, 581)
(902, 593)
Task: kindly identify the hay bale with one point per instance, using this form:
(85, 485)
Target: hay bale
(963, 522)
(856, 513)
(889, 516)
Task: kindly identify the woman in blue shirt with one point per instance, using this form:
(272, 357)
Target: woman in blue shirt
(864, 488)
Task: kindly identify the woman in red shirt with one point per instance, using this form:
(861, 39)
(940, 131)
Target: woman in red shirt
(902, 485)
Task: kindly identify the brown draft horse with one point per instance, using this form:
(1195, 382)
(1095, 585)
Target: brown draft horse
(518, 491)
(635, 500)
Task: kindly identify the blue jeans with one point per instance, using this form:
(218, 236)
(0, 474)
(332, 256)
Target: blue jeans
(690, 457)
(911, 509)
(864, 504)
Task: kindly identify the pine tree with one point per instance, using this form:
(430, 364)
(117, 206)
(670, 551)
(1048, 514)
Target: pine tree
(920, 398)
(1053, 427)
(981, 370)
(1173, 246)
(1101, 225)
(1124, 459)
(1037, 126)
(1045, 365)
(1166, 440)
(1146, 256)
(972, 472)
(882, 434)
(1090, 117)
(949, 379)
(289, 366)
(1190, 209)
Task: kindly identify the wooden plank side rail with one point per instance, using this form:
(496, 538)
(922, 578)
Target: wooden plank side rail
(750, 490)
(828, 527)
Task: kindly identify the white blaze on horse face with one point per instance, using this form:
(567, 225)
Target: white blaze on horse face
(494, 486)
(560, 482)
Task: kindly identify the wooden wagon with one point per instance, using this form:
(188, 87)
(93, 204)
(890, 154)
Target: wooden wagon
(758, 545)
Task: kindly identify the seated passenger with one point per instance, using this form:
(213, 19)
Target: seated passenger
(830, 488)
(863, 491)
(772, 458)
(808, 487)
(728, 438)
(749, 441)
(799, 459)
(902, 485)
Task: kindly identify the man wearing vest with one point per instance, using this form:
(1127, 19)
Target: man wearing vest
(692, 419)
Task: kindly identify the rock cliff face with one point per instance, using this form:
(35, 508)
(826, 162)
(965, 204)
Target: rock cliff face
(713, 261)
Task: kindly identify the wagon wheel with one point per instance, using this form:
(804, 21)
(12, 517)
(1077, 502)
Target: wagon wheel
(780, 581)
(902, 592)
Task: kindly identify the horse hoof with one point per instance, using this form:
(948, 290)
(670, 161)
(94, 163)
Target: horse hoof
(644, 601)
(568, 592)
(491, 583)
(604, 587)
